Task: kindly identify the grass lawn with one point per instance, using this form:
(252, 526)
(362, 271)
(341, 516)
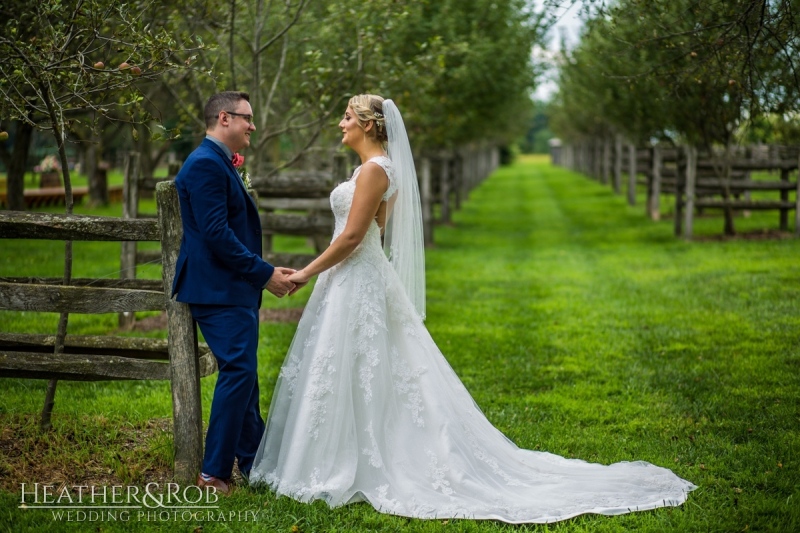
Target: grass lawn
(579, 326)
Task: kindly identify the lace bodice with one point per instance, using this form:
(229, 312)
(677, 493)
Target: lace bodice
(342, 199)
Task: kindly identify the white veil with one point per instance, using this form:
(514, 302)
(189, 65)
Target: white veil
(403, 237)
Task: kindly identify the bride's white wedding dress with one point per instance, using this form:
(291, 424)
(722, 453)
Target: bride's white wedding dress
(367, 408)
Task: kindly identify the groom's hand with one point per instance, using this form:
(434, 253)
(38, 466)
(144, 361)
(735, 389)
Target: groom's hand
(279, 283)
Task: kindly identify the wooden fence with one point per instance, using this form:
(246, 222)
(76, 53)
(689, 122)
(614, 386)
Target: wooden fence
(697, 180)
(85, 358)
(134, 187)
(296, 202)
(445, 179)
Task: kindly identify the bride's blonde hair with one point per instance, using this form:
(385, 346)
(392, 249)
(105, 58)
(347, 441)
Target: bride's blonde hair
(370, 107)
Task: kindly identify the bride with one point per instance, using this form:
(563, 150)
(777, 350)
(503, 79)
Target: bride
(366, 407)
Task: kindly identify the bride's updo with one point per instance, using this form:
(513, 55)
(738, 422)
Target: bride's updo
(370, 107)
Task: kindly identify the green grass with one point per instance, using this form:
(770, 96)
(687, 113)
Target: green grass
(579, 326)
(115, 177)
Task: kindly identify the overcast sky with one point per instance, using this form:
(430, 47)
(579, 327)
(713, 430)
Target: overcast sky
(568, 27)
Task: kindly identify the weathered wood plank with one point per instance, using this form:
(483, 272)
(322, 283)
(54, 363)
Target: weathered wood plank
(79, 367)
(148, 256)
(63, 299)
(691, 175)
(128, 347)
(617, 182)
(130, 211)
(295, 203)
(297, 224)
(797, 203)
(185, 368)
(425, 193)
(705, 174)
(444, 189)
(295, 261)
(149, 184)
(56, 226)
(139, 284)
(747, 185)
(751, 205)
(750, 164)
(654, 204)
(631, 174)
(301, 184)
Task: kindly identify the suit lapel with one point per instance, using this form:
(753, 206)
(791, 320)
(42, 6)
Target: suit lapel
(231, 170)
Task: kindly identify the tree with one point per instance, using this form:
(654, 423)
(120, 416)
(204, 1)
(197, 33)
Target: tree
(53, 71)
(725, 62)
(459, 70)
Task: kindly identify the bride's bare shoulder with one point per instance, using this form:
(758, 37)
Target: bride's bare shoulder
(373, 172)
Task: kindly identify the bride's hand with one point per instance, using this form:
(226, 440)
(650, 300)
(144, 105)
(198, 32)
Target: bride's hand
(299, 278)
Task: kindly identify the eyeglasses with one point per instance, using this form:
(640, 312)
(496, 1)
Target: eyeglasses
(248, 118)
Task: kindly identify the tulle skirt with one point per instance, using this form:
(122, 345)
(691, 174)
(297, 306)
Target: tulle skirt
(366, 408)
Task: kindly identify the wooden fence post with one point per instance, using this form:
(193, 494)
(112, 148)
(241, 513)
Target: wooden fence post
(606, 161)
(598, 161)
(339, 168)
(655, 193)
(173, 168)
(784, 213)
(444, 188)
(187, 416)
(130, 210)
(425, 197)
(631, 174)
(691, 177)
(617, 164)
(458, 177)
(797, 201)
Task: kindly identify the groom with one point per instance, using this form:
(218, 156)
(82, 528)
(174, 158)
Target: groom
(220, 274)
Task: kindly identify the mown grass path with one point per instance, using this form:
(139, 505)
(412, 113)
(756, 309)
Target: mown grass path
(583, 329)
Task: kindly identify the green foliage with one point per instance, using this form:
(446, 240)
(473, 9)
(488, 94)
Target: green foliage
(468, 70)
(700, 72)
(578, 327)
(459, 70)
(60, 60)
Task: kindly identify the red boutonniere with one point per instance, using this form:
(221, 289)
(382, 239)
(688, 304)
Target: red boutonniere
(238, 164)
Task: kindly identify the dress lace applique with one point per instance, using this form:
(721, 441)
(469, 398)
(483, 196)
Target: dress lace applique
(406, 382)
(366, 407)
(437, 474)
(373, 452)
(321, 371)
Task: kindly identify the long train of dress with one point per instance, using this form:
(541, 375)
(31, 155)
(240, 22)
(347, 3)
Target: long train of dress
(367, 409)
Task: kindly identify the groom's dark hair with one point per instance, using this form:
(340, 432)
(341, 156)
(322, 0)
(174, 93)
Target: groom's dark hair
(223, 101)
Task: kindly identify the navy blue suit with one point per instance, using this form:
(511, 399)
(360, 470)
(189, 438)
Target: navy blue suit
(220, 274)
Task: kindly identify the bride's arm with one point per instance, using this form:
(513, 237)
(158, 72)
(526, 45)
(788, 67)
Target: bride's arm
(370, 187)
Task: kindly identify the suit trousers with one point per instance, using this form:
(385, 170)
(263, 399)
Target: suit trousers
(235, 426)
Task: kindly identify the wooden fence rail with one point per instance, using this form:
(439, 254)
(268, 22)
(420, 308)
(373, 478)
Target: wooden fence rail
(697, 180)
(446, 179)
(85, 358)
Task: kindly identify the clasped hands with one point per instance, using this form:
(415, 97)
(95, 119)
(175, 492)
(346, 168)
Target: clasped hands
(286, 281)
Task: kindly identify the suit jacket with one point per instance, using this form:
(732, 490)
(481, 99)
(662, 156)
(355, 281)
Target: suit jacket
(220, 258)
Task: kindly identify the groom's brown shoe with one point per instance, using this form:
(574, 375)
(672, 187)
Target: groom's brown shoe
(222, 486)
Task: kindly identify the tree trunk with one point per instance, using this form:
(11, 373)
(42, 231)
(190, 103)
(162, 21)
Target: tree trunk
(15, 183)
(58, 132)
